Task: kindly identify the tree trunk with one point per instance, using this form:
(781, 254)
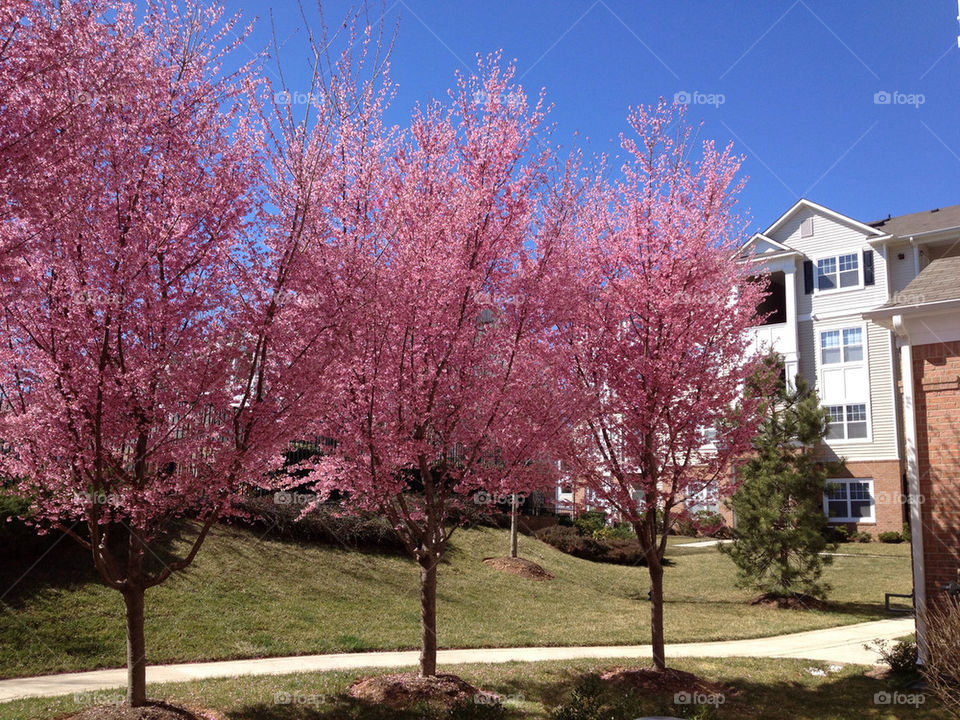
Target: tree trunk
(513, 525)
(136, 648)
(428, 614)
(656, 613)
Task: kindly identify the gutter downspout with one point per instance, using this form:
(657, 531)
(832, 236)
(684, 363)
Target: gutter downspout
(913, 483)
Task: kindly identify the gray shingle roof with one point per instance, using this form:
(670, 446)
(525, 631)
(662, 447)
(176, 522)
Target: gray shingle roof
(938, 281)
(920, 222)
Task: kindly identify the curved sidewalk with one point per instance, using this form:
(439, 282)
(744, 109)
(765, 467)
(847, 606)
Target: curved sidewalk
(842, 644)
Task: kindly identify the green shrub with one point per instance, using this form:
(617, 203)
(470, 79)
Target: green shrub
(862, 537)
(837, 533)
(591, 523)
(902, 659)
(326, 525)
(906, 532)
(620, 551)
(890, 537)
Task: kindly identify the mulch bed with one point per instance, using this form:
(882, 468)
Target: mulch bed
(798, 601)
(401, 690)
(667, 681)
(152, 711)
(519, 566)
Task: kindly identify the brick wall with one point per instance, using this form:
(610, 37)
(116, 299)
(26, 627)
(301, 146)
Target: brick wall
(936, 371)
(890, 508)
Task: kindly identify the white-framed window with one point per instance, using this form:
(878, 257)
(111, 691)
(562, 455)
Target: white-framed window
(839, 272)
(850, 500)
(848, 422)
(839, 347)
(845, 382)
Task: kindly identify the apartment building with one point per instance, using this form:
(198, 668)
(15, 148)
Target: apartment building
(825, 271)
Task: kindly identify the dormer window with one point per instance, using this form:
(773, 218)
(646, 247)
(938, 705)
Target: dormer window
(842, 271)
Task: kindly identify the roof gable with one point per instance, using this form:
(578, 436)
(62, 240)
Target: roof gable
(760, 245)
(804, 204)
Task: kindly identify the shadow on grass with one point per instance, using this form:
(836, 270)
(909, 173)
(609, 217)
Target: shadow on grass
(583, 695)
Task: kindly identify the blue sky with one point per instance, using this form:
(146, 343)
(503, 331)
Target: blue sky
(793, 83)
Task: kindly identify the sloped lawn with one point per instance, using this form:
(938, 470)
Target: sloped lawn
(248, 596)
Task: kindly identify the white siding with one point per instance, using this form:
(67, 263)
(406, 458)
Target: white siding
(901, 271)
(830, 238)
(882, 444)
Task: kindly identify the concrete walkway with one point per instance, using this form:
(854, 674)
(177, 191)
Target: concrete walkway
(703, 543)
(837, 645)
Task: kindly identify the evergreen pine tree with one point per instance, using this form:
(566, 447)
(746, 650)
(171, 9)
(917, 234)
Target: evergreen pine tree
(778, 539)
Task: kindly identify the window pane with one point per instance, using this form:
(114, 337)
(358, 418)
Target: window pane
(852, 344)
(859, 490)
(856, 430)
(853, 353)
(837, 491)
(848, 262)
(856, 413)
(830, 345)
(859, 508)
(852, 336)
(827, 273)
(850, 278)
(837, 509)
(831, 356)
(830, 338)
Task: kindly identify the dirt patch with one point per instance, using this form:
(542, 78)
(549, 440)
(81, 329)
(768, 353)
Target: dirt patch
(151, 711)
(797, 601)
(878, 672)
(519, 566)
(402, 690)
(666, 681)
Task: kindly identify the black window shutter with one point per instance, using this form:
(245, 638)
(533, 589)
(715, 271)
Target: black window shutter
(868, 278)
(808, 276)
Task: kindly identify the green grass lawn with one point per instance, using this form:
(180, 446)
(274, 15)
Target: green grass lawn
(765, 689)
(251, 597)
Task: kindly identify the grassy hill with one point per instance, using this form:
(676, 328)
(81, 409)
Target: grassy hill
(247, 596)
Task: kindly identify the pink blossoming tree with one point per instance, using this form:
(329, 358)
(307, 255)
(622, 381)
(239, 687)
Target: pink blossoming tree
(444, 384)
(136, 384)
(657, 333)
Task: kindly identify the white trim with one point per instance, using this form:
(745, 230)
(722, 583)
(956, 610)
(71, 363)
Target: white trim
(769, 241)
(804, 203)
(835, 315)
(913, 484)
(872, 519)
